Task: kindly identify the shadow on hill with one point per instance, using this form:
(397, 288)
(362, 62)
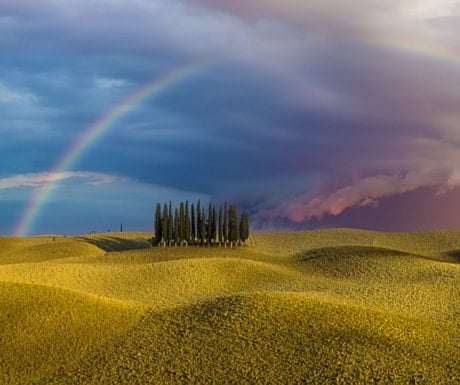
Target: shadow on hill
(350, 251)
(454, 255)
(117, 243)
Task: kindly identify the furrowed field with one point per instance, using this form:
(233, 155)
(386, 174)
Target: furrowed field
(320, 307)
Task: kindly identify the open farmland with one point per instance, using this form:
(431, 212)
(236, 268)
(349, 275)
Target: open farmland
(331, 306)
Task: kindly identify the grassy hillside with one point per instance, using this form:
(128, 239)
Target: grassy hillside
(45, 329)
(15, 250)
(275, 338)
(443, 245)
(331, 306)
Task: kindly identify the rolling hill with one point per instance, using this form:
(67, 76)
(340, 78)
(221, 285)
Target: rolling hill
(329, 306)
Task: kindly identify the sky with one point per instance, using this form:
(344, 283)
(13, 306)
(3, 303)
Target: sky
(306, 114)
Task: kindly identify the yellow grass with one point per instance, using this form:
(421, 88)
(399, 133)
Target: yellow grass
(273, 338)
(38, 249)
(435, 244)
(331, 306)
(45, 329)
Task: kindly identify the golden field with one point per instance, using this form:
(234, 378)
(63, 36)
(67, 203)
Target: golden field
(319, 307)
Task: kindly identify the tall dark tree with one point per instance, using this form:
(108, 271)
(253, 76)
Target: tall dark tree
(209, 226)
(182, 224)
(187, 223)
(214, 224)
(170, 236)
(158, 223)
(193, 225)
(220, 229)
(233, 233)
(203, 227)
(244, 226)
(225, 225)
(176, 235)
(165, 225)
(199, 219)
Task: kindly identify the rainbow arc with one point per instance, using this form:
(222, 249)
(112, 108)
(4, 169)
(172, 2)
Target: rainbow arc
(93, 132)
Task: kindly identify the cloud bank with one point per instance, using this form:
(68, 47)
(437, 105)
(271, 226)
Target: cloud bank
(311, 111)
(43, 178)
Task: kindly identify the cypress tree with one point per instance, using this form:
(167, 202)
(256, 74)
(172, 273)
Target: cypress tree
(170, 224)
(233, 232)
(214, 224)
(165, 225)
(176, 227)
(220, 227)
(237, 227)
(158, 223)
(203, 227)
(182, 223)
(187, 223)
(225, 226)
(209, 227)
(244, 226)
(199, 219)
(193, 226)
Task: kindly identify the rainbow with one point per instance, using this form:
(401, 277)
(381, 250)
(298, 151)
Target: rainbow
(421, 48)
(93, 132)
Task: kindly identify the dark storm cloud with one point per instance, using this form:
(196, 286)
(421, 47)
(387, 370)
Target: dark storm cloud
(310, 110)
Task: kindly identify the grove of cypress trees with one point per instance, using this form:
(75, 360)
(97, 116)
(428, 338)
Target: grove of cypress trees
(181, 225)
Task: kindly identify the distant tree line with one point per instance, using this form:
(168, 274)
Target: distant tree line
(195, 225)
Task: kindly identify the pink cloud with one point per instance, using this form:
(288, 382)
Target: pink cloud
(362, 193)
(454, 179)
